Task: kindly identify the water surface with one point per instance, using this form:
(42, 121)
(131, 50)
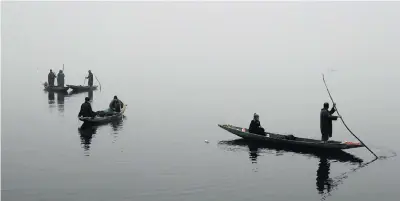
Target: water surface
(183, 68)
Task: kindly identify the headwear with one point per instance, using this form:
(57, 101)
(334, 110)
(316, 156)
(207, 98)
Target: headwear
(87, 99)
(256, 115)
(326, 105)
(115, 97)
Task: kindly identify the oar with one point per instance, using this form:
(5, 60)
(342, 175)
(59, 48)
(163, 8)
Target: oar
(341, 118)
(97, 80)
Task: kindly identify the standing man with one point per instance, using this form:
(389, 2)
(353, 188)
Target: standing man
(51, 77)
(90, 78)
(326, 119)
(60, 78)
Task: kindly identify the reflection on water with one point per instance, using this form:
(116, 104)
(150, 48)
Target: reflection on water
(60, 101)
(87, 130)
(90, 95)
(51, 97)
(324, 182)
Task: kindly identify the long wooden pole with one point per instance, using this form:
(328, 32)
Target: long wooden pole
(341, 118)
(97, 81)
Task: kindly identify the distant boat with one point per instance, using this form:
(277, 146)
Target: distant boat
(55, 88)
(81, 88)
(290, 140)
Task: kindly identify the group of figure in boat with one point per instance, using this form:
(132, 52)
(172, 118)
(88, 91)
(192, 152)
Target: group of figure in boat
(326, 118)
(61, 78)
(114, 108)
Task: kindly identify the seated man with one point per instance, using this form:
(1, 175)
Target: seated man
(116, 105)
(86, 109)
(255, 126)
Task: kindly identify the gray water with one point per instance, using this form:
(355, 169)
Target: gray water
(183, 68)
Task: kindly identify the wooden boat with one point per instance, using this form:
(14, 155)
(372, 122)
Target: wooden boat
(289, 139)
(56, 88)
(105, 119)
(82, 88)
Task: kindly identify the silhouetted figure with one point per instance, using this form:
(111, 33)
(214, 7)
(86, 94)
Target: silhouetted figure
(116, 105)
(51, 77)
(90, 78)
(326, 119)
(86, 109)
(323, 180)
(255, 126)
(60, 78)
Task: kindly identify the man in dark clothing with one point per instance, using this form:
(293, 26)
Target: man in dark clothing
(60, 78)
(51, 77)
(326, 119)
(116, 104)
(255, 126)
(86, 109)
(90, 78)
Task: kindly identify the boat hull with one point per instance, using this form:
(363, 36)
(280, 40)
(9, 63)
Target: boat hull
(56, 88)
(82, 88)
(282, 139)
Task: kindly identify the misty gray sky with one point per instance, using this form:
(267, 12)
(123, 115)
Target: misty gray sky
(200, 49)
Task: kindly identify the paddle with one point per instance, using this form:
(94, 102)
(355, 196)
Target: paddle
(341, 118)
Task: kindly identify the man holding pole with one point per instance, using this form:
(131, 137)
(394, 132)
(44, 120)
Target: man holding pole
(90, 78)
(326, 119)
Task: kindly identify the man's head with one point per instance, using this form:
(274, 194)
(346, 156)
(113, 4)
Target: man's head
(326, 105)
(87, 99)
(115, 97)
(256, 116)
(51, 71)
(60, 71)
(90, 71)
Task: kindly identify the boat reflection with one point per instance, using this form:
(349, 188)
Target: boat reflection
(89, 93)
(323, 180)
(88, 130)
(254, 149)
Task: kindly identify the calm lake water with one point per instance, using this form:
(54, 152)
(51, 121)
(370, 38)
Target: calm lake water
(183, 68)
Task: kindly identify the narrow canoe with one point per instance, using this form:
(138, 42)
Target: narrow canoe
(56, 88)
(285, 139)
(105, 119)
(82, 88)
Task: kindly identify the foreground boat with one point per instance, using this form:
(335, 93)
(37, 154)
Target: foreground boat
(82, 88)
(56, 88)
(290, 140)
(105, 119)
